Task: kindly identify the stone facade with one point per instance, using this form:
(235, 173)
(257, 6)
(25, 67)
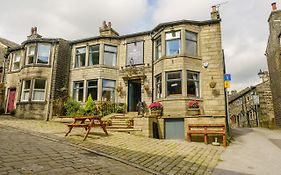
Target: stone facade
(174, 63)
(35, 73)
(273, 52)
(253, 105)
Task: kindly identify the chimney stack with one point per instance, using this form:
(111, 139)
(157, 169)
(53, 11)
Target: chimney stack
(33, 34)
(107, 30)
(274, 6)
(215, 13)
(263, 75)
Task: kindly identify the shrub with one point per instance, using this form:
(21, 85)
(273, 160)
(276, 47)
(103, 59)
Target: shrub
(120, 107)
(2, 111)
(90, 108)
(71, 107)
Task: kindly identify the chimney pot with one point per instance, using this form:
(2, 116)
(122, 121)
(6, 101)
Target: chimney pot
(274, 6)
(109, 24)
(214, 8)
(104, 24)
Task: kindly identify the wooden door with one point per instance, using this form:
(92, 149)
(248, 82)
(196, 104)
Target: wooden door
(11, 100)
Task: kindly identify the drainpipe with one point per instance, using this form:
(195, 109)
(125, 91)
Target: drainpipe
(152, 70)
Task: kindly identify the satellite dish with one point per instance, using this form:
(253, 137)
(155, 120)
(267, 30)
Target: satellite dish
(205, 65)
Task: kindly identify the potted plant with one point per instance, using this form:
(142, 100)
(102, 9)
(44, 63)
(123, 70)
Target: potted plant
(156, 108)
(193, 108)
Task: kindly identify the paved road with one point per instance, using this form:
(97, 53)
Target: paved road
(23, 153)
(255, 151)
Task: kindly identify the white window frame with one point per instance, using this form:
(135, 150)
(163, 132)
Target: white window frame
(76, 65)
(49, 55)
(15, 61)
(193, 41)
(171, 37)
(158, 84)
(25, 90)
(76, 90)
(29, 55)
(111, 52)
(197, 83)
(158, 48)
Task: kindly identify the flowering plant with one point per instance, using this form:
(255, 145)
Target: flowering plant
(155, 106)
(193, 104)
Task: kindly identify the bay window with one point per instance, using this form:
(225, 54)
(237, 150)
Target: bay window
(173, 82)
(193, 84)
(173, 43)
(94, 55)
(108, 90)
(110, 55)
(80, 56)
(191, 43)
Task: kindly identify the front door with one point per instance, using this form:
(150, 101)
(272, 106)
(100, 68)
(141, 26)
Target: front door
(134, 94)
(11, 100)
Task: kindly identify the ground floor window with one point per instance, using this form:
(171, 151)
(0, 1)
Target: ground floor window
(33, 89)
(92, 89)
(78, 89)
(193, 84)
(158, 86)
(108, 90)
(173, 82)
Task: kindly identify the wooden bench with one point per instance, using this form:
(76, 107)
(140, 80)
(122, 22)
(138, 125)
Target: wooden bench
(206, 129)
(87, 122)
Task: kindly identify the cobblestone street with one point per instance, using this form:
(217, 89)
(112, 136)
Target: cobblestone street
(156, 156)
(22, 153)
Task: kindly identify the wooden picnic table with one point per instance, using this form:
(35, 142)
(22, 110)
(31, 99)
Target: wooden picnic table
(87, 122)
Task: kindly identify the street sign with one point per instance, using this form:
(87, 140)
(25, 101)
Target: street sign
(226, 84)
(227, 77)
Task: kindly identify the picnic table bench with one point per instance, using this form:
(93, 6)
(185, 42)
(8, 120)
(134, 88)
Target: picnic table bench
(206, 129)
(87, 122)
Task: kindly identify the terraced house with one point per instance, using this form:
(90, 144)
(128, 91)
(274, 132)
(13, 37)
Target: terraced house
(174, 63)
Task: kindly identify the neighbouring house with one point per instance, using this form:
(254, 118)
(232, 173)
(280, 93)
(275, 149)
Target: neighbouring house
(253, 105)
(35, 73)
(272, 53)
(174, 63)
(4, 46)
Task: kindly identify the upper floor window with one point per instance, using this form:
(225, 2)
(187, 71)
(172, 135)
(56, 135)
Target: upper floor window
(30, 54)
(157, 48)
(110, 55)
(94, 55)
(192, 84)
(108, 90)
(78, 90)
(80, 57)
(16, 62)
(134, 53)
(173, 83)
(43, 53)
(173, 43)
(92, 89)
(25, 90)
(39, 90)
(191, 43)
(158, 86)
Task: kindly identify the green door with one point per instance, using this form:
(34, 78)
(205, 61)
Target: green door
(174, 128)
(134, 94)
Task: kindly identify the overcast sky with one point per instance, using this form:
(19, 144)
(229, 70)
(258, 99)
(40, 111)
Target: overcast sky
(244, 24)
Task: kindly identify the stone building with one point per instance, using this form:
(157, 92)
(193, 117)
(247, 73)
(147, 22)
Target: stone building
(174, 63)
(273, 52)
(253, 105)
(4, 46)
(35, 73)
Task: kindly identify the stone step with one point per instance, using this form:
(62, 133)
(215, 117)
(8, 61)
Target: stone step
(118, 127)
(124, 130)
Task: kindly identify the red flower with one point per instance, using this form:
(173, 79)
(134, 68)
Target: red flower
(155, 106)
(193, 104)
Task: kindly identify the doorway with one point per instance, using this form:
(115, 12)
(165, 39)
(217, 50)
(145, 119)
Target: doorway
(134, 94)
(11, 100)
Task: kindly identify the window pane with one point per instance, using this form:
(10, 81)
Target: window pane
(191, 36)
(174, 75)
(93, 83)
(39, 84)
(80, 57)
(78, 91)
(158, 86)
(173, 35)
(109, 58)
(94, 55)
(108, 90)
(172, 47)
(193, 84)
(158, 48)
(134, 53)
(110, 48)
(93, 92)
(31, 50)
(38, 95)
(43, 53)
(191, 48)
(27, 84)
(174, 87)
(25, 95)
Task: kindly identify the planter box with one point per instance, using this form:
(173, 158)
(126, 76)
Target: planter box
(156, 113)
(192, 111)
